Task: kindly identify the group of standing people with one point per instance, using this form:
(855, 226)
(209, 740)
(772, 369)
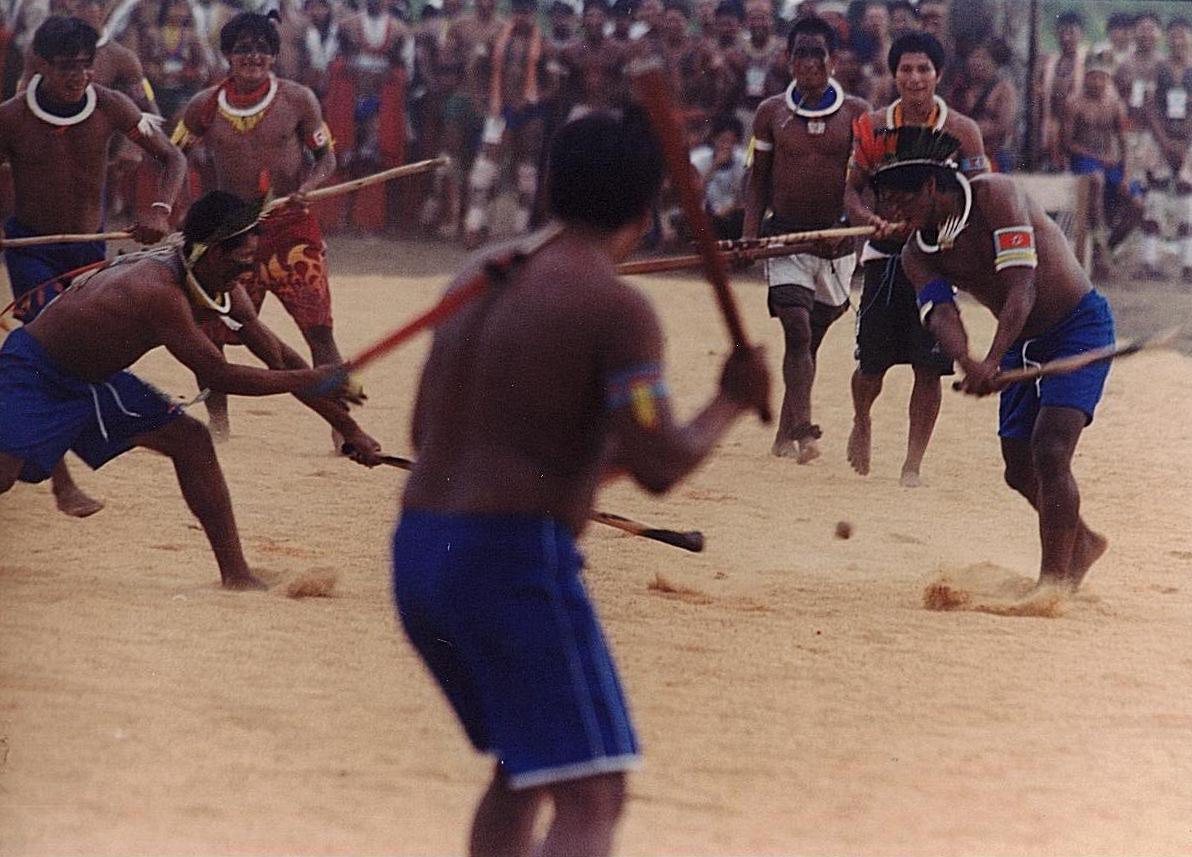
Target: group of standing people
(514, 441)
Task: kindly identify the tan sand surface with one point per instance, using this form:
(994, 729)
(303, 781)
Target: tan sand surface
(793, 693)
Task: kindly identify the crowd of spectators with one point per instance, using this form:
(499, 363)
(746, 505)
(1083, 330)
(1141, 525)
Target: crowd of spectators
(487, 86)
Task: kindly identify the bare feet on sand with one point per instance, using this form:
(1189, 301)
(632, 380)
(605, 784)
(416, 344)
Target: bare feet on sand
(910, 478)
(858, 446)
(72, 501)
(1088, 549)
(803, 451)
(244, 583)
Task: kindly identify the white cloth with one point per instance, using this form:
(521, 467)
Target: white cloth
(830, 278)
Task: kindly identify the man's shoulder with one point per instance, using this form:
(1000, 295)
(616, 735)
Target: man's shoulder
(292, 90)
(995, 188)
(856, 106)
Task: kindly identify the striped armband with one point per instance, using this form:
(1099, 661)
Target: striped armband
(938, 291)
(975, 164)
(1014, 247)
(641, 388)
(761, 145)
(320, 139)
(183, 137)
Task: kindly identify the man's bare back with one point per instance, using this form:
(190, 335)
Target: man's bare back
(520, 430)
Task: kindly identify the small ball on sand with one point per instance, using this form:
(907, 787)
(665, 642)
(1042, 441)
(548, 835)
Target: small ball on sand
(844, 529)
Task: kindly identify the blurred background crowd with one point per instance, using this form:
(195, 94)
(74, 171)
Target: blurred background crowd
(1092, 89)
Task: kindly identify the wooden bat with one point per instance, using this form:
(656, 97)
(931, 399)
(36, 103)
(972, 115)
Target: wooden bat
(1064, 365)
(653, 90)
(689, 541)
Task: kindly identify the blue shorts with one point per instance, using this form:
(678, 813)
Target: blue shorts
(44, 410)
(1088, 326)
(30, 267)
(496, 607)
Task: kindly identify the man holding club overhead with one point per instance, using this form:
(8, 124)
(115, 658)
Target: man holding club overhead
(803, 132)
(260, 131)
(989, 238)
(530, 396)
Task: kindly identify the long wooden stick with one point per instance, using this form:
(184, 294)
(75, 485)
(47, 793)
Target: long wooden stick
(314, 196)
(653, 91)
(494, 270)
(63, 238)
(353, 185)
(679, 263)
(1065, 365)
(797, 237)
(690, 541)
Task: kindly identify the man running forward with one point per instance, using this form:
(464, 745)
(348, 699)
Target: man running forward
(887, 329)
(529, 397)
(56, 137)
(63, 383)
(805, 132)
(260, 130)
(990, 239)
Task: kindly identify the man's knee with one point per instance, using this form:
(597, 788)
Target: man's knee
(1051, 454)
(182, 438)
(796, 325)
(600, 797)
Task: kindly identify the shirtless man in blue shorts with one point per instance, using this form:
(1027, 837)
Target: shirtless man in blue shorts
(63, 383)
(999, 245)
(56, 137)
(529, 398)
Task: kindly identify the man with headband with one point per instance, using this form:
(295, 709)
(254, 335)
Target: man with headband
(64, 384)
(887, 332)
(261, 130)
(56, 137)
(987, 237)
(806, 131)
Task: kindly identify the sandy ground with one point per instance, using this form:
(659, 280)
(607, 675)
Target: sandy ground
(793, 692)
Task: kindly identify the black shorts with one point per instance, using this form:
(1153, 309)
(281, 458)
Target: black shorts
(821, 315)
(889, 331)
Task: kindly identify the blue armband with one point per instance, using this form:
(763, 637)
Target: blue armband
(938, 291)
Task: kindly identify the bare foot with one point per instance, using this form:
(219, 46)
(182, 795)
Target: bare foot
(337, 442)
(910, 479)
(72, 501)
(858, 446)
(809, 450)
(244, 583)
(785, 449)
(1086, 552)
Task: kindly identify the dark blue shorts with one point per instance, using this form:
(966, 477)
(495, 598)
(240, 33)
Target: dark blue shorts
(44, 410)
(30, 267)
(496, 608)
(1088, 326)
